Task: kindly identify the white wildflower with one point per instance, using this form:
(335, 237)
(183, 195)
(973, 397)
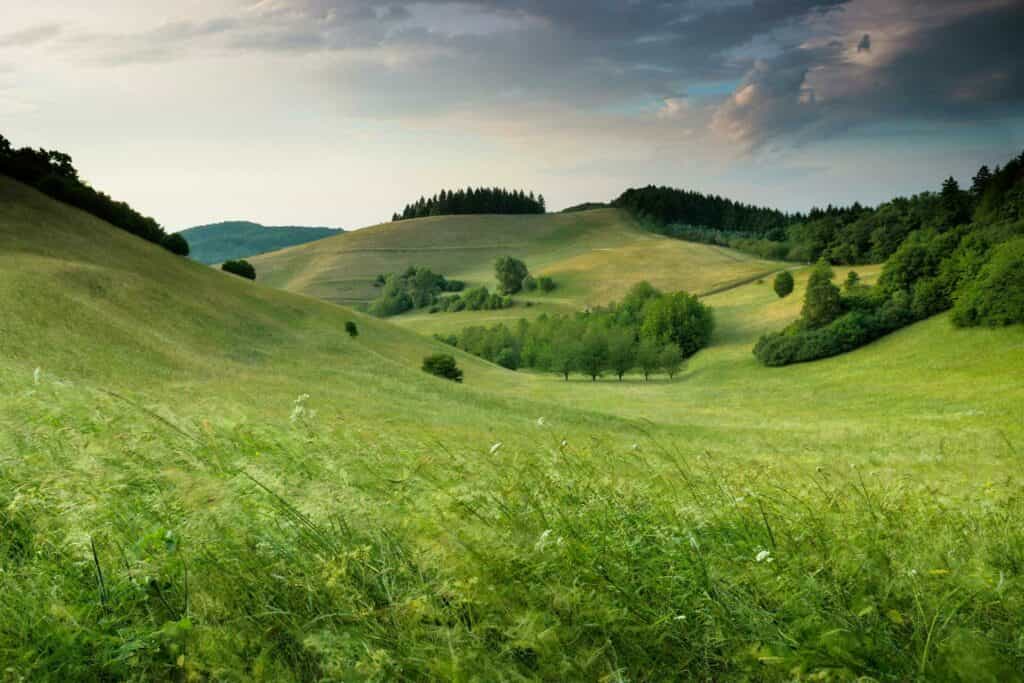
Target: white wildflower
(300, 411)
(564, 443)
(496, 447)
(764, 556)
(636, 447)
(681, 617)
(542, 542)
(37, 376)
(541, 422)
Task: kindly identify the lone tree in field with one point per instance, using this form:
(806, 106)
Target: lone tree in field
(783, 284)
(442, 365)
(241, 268)
(176, 244)
(671, 360)
(352, 330)
(510, 273)
(822, 302)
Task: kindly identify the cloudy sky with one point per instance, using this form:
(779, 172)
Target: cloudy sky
(338, 112)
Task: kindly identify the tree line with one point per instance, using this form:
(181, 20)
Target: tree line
(968, 257)
(54, 174)
(649, 331)
(667, 206)
(474, 201)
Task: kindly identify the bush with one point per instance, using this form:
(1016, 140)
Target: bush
(822, 302)
(352, 330)
(442, 365)
(783, 284)
(529, 284)
(241, 268)
(679, 318)
(546, 284)
(176, 244)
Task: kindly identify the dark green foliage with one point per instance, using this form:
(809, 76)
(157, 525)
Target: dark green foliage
(783, 284)
(822, 302)
(546, 284)
(679, 318)
(54, 174)
(220, 242)
(176, 244)
(996, 296)
(593, 354)
(241, 268)
(852, 281)
(442, 365)
(621, 351)
(510, 273)
(474, 201)
(671, 360)
(586, 206)
(351, 329)
(415, 288)
(668, 206)
(615, 339)
(529, 284)
(648, 357)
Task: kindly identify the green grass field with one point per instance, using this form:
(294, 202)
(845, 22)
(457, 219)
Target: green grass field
(203, 478)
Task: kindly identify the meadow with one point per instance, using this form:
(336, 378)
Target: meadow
(203, 478)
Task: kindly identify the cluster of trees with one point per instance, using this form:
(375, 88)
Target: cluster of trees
(240, 267)
(473, 299)
(415, 288)
(666, 206)
(842, 235)
(976, 269)
(474, 200)
(649, 331)
(513, 277)
(53, 173)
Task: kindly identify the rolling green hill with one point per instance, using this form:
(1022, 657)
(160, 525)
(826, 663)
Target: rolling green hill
(203, 477)
(594, 257)
(220, 242)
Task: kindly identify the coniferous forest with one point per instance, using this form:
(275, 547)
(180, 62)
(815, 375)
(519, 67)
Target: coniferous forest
(474, 201)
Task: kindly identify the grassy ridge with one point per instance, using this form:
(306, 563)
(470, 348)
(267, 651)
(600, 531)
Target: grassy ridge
(171, 506)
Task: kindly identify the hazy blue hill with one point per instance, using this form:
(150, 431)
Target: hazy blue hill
(239, 239)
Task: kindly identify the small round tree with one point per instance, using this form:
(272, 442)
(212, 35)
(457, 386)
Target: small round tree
(442, 365)
(784, 284)
(352, 330)
(546, 284)
(241, 268)
(176, 244)
(510, 273)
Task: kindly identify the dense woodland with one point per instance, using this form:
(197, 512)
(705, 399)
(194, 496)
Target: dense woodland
(648, 331)
(53, 173)
(958, 249)
(474, 200)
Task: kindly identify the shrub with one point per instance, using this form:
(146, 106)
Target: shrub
(822, 302)
(442, 365)
(783, 284)
(508, 359)
(546, 284)
(679, 318)
(176, 244)
(241, 268)
(352, 330)
(529, 284)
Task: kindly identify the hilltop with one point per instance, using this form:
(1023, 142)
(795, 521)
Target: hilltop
(219, 242)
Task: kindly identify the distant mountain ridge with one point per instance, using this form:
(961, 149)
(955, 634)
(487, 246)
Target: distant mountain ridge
(219, 242)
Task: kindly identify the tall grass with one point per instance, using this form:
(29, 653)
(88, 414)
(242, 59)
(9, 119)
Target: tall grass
(136, 544)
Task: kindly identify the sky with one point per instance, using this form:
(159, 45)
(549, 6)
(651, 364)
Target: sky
(339, 112)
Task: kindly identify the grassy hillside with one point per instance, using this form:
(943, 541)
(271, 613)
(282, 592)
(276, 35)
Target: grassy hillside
(220, 242)
(205, 478)
(594, 257)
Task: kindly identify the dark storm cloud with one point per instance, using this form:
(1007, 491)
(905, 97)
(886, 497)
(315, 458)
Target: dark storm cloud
(966, 69)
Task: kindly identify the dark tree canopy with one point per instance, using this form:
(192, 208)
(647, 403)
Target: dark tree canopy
(442, 365)
(176, 244)
(53, 174)
(351, 329)
(822, 302)
(783, 284)
(474, 201)
(241, 268)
